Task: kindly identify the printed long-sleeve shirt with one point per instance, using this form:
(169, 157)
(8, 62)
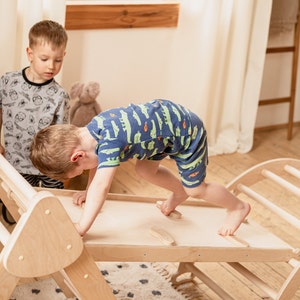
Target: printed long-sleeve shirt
(28, 107)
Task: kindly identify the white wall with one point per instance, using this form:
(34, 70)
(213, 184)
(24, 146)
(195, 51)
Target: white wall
(129, 64)
(136, 65)
(140, 64)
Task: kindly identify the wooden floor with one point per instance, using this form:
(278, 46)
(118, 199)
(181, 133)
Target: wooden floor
(223, 168)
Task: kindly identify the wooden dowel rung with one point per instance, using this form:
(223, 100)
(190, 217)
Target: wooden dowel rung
(4, 234)
(293, 171)
(294, 263)
(271, 206)
(13, 197)
(282, 182)
(13, 181)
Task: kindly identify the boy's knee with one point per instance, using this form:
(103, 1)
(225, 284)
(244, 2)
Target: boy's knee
(196, 192)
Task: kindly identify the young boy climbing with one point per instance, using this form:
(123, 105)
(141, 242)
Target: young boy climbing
(148, 132)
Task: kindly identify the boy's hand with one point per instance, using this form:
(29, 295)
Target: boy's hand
(79, 198)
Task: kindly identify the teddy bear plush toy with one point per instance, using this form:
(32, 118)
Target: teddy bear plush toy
(84, 105)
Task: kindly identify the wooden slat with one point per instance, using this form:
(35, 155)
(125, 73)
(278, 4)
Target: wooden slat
(121, 16)
(282, 182)
(19, 190)
(269, 205)
(280, 49)
(163, 253)
(275, 101)
(4, 234)
(293, 171)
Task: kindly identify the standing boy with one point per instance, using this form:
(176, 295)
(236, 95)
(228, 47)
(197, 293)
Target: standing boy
(147, 132)
(31, 99)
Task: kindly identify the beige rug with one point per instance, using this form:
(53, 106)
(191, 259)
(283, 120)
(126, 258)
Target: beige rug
(137, 281)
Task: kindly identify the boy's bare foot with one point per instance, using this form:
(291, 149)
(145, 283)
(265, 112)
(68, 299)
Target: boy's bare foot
(233, 220)
(171, 203)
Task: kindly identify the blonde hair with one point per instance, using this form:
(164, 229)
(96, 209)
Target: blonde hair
(51, 150)
(48, 31)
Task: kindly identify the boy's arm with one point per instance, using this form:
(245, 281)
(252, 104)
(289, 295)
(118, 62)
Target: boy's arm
(92, 173)
(80, 197)
(96, 195)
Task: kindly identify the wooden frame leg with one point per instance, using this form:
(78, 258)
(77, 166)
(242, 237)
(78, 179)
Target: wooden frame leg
(291, 284)
(87, 280)
(61, 282)
(8, 283)
(185, 267)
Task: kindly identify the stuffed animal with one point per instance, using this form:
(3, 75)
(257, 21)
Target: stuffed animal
(85, 105)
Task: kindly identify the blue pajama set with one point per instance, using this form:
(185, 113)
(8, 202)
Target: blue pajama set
(152, 131)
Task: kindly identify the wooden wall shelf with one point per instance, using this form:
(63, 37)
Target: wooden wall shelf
(121, 16)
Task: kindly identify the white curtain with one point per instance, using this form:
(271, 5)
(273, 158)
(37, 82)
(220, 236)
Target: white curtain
(233, 72)
(16, 18)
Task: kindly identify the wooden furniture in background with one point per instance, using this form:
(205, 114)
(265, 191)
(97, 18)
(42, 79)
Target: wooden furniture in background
(104, 16)
(294, 49)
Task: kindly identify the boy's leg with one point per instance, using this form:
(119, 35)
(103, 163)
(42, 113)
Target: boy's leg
(152, 171)
(214, 193)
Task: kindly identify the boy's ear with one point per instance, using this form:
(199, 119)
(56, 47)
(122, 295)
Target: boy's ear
(76, 156)
(29, 54)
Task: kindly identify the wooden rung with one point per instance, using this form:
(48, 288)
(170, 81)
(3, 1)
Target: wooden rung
(254, 279)
(275, 101)
(4, 234)
(294, 262)
(22, 204)
(293, 171)
(17, 183)
(268, 204)
(280, 49)
(282, 182)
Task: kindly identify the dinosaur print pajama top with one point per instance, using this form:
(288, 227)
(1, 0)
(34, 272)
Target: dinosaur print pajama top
(153, 131)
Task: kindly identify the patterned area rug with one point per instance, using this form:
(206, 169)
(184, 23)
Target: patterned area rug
(137, 281)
